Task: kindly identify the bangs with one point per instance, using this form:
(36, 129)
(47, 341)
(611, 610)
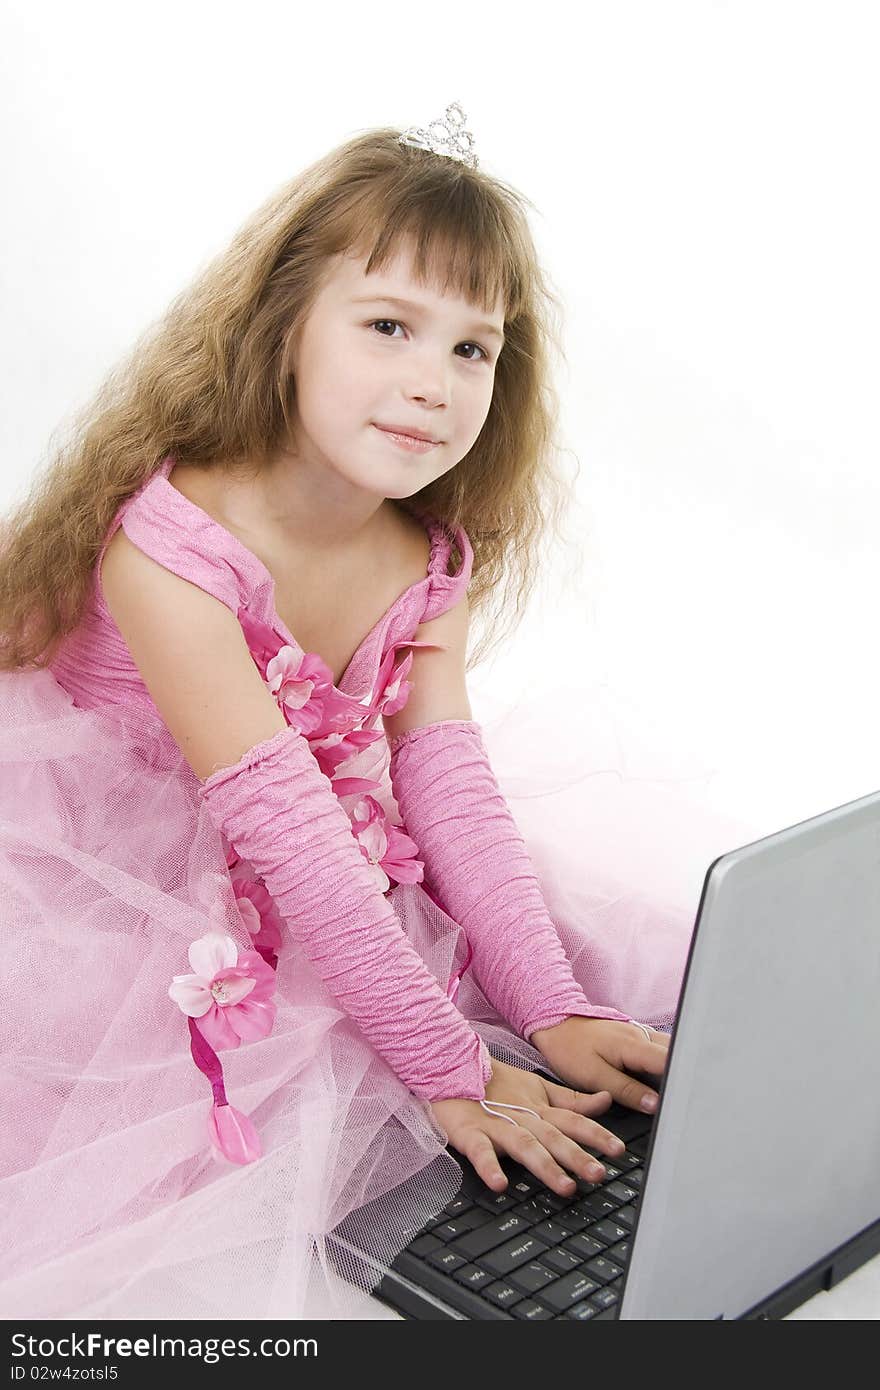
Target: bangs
(458, 241)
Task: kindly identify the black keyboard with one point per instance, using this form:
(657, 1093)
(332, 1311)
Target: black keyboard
(527, 1252)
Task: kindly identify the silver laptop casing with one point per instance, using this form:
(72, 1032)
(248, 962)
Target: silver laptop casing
(766, 1146)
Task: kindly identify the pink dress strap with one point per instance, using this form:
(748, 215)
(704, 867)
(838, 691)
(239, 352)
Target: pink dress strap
(445, 589)
(182, 538)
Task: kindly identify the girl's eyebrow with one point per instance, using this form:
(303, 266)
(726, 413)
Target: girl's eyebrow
(410, 304)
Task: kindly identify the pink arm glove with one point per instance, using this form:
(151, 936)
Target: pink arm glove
(476, 861)
(278, 810)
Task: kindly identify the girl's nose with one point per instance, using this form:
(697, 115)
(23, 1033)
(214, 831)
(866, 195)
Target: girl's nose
(429, 387)
(428, 379)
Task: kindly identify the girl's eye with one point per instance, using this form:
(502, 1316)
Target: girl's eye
(397, 324)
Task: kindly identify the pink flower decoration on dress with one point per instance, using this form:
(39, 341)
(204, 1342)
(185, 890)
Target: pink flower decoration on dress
(262, 640)
(303, 687)
(335, 749)
(390, 679)
(258, 912)
(386, 848)
(288, 680)
(233, 1135)
(229, 994)
(301, 682)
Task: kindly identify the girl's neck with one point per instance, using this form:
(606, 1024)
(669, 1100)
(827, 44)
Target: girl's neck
(274, 506)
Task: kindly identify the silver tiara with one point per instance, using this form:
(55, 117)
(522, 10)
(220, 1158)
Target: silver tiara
(446, 136)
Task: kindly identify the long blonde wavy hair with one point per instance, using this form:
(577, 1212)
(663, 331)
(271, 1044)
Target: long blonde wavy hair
(210, 381)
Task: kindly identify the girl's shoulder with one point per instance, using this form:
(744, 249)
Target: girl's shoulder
(422, 562)
(175, 531)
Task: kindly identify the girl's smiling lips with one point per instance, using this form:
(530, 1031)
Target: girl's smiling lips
(411, 433)
(421, 443)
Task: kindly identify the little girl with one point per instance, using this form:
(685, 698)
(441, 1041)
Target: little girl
(263, 903)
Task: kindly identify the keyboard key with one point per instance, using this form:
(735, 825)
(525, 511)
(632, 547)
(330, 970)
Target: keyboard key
(531, 1277)
(502, 1293)
(635, 1177)
(619, 1253)
(495, 1201)
(531, 1311)
(628, 1161)
(425, 1245)
(605, 1298)
(510, 1256)
(639, 1146)
(621, 1190)
(626, 1216)
(598, 1204)
(554, 1201)
(582, 1210)
(551, 1232)
(456, 1207)
(476, 1243)
(446, 1260)
(562, 1260)
(602, 1270)
(472, 1277)
(460, 1225)
(584, 1245)
(550, 1201)
(523, 1185)
(535, 1209)
(568, 1290)
(581, 1311)
(584, 1187)
(608, 1231)
(573, 1220)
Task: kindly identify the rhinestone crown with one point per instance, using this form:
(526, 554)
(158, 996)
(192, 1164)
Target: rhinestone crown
(446, 135)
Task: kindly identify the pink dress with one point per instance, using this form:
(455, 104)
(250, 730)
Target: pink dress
(112, 1203)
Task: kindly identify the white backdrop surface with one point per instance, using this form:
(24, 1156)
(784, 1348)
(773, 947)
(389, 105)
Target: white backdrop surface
(704, 178)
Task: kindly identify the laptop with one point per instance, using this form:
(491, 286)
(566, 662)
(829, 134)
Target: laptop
(756, 1184)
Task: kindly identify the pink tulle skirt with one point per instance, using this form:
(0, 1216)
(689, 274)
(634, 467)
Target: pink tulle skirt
(112, 1202)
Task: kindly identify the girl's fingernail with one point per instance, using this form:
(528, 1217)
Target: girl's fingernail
(648, 1103)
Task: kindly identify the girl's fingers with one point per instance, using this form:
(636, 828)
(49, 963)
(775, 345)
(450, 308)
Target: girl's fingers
(554, 1145)
(532, 1152)
(584, 1132)
(567, 1107)
(625, 1089)
(637, 1054)
(581, 1102)
(524, 1146)
(480, 1152)
(545, 1148)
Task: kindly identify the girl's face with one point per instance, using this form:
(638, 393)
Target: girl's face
(363, 363)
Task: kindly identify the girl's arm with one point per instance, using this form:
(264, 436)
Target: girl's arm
(264, 790)
(476, 861)
(474, 855)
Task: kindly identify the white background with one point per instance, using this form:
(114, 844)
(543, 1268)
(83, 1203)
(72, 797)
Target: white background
(705, 183)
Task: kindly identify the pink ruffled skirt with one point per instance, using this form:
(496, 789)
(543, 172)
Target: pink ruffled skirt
(112, 1202)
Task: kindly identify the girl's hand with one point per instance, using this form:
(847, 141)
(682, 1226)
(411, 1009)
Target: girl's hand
(594, 1052)
(546, 1143)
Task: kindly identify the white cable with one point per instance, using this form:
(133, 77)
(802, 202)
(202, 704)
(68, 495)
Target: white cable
(507, 1106)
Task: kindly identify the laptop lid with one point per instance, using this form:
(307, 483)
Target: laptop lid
(765, 1154)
